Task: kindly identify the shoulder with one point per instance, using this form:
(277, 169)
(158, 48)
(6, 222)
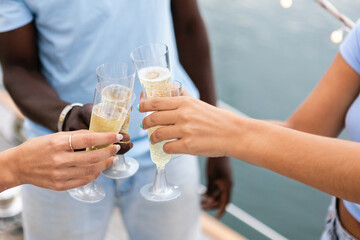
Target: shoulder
(350, 48)
(14, 14)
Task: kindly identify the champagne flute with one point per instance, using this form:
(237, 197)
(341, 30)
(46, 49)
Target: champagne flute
(107, 116)
(160, 190)
(153, 68)
(122, 73)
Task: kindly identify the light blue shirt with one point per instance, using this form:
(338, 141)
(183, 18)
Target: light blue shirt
(76, 36)
(350, 51)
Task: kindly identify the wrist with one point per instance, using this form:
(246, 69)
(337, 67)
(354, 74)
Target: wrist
(242, 137)
(235, 132)
(64, 115)
(9, 173)
(253, 143)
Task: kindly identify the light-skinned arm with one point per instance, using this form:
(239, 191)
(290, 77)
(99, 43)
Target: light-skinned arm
(49, 162)
(328, 164)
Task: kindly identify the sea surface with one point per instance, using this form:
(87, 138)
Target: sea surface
(266, 61)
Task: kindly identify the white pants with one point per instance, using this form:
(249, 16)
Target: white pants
(51, 215)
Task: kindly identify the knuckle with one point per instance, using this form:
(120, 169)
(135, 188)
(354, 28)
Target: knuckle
(57, 175)
(89, 140)
(155, 103)
(187, 144)
(151, 119)
(111, 151)
(188, 100)
(54, 143)
(185, 116)
(56, 161)
(156, 135)
(143, 106)
(186, 130)
(58, 186)
(62, 187)
(167, 148)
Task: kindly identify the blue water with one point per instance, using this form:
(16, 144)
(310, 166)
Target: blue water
(266, 61)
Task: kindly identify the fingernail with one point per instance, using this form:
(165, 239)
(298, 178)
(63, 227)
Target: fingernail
(117, 147)
(138, 107)
(119, 137)
(115, 160)
(141, 125)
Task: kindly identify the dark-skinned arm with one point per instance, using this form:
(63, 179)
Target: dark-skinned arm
(30, 90)
(22, 78)
(194, 54)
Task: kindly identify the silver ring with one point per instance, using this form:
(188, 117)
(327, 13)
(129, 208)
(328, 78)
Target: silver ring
(70, 145)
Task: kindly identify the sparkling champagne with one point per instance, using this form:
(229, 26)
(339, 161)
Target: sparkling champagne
(106, 118)
(120, 96)
(158, 156)
(125, 127)
(155, 79)
(116, 95)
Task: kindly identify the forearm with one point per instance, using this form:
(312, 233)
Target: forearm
(328, 164)
(194, 54)
(8, 172)
(36, 99)
(195, 57)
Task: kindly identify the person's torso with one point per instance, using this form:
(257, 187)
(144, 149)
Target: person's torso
(74, 37)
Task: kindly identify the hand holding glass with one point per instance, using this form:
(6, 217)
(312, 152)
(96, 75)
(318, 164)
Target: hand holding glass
(160, 190)
(120, 73)
(108, 115)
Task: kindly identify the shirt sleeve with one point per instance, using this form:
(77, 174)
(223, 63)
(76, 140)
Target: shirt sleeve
(350, 48)
(14, 14)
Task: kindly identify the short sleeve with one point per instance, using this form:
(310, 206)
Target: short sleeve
(350, 48)
(13, 14)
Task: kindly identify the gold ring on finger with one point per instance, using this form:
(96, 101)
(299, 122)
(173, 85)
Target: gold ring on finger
(70, 143)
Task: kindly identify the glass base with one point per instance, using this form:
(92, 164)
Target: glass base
(89, 193)
(172, 192)
(125, 171)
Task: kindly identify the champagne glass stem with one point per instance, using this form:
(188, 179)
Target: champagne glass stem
(90, 193)
(160, 184)
(121, 165)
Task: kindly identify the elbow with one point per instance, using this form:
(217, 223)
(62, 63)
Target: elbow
(289, 123)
